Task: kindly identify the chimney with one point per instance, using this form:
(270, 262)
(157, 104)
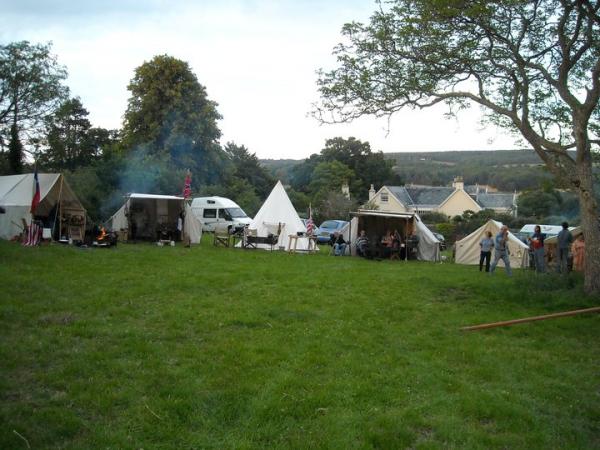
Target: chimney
(346, 190)
(458, 183)
(372, 192)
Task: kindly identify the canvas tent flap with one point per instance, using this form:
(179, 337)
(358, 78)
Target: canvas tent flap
(192, 227)
(429, 245)
(118, 221)
(468, 250)
(278, 216)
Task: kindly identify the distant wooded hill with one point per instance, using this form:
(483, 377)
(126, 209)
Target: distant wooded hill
(507, 170)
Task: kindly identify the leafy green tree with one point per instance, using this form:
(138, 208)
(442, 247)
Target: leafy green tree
(301, 174)
(538, 204)
(72, 142)
(369, 167)
(170, 117)
(246, 166)
(534, 66)
(15, 151)
(330, 176)
(334, 205)
(30, 90)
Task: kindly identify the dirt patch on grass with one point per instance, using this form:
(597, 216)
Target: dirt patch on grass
(56, 319)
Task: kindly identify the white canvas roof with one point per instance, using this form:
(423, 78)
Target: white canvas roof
(468, 250)
(155, 196)
(277, 215)
(16, 193)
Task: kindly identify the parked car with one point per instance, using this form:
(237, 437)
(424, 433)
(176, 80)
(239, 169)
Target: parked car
(440, 237)
(329, 227)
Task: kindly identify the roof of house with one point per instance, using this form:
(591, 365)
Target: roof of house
(421, 195)
(496, 200)
(431, 196)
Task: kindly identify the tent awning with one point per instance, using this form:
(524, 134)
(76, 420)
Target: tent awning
(368, 212)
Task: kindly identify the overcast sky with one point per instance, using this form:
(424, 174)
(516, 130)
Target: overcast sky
(256, 58)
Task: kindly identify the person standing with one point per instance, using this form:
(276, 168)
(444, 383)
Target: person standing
(536, 243)
(578, 250)
(362, 245)
(501, 251)
(565, 239)
(486, 244)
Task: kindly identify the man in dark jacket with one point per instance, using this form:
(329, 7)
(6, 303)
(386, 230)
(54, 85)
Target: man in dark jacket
(565, 239)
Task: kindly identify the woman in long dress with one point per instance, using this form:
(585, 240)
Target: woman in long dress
(578, 251)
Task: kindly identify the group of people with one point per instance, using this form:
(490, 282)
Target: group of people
(391, 244)
(565, 243)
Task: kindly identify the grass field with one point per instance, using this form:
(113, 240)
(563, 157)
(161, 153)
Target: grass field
(171, 348)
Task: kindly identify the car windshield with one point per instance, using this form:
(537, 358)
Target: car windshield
(329, 224)
(236, 212)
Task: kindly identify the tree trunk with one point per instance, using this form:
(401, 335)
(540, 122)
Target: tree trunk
(591, 229)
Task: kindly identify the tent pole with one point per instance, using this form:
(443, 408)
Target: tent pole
(58, 210)
(530, 319)
(60, 207)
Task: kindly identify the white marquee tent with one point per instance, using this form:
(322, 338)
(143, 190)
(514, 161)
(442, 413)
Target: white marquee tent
(59, 207)
(277, 216)
(468, 250)
(377, 222)
(143, 214)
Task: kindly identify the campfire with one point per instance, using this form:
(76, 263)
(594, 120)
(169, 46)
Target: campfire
(104, 239)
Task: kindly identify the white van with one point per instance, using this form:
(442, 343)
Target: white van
(548, 230)
(219, 212)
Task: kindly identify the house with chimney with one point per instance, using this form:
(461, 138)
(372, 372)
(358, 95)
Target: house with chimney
(448, 200)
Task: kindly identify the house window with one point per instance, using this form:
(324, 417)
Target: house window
(210, 213)
(384, 197)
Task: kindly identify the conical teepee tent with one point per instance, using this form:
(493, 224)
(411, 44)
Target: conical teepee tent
(278, 216)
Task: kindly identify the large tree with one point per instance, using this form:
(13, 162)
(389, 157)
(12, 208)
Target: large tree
(169, 116)
(71, 140)
(533, 65)
(30, 90)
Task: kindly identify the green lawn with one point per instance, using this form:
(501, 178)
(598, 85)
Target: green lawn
(147, 347)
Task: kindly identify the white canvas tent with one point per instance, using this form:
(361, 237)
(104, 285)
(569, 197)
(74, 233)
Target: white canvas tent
(142, 216)
(376, 223)
(59, 207)
(468, 250)
(278, 216)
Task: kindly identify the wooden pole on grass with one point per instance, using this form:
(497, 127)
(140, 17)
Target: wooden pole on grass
(530, 319)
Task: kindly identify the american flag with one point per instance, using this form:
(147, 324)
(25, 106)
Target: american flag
(310, 225)
(33, 235)
(187, 188)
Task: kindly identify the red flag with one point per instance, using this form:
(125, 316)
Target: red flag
(187, 188)
(36, 196)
